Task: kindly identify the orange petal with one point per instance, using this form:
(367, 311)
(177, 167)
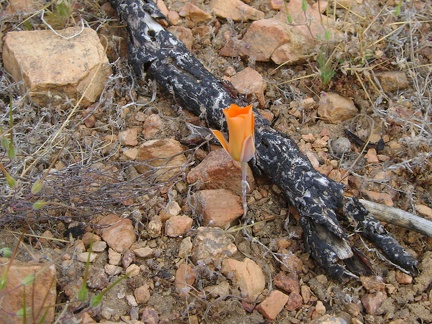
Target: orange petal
(221, 139)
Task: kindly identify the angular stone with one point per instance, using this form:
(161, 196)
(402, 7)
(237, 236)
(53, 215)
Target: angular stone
(218, 207)
(153, 126)
(54, 68)
(262, 38)
(273, 304)
(219, 171)
(194, 13)
(288, 283)
(129, 137)
(247, 275)
(211, 245)
(335, 108)
(184, 279)
(392, 80)
(236, 10)
(178, 225)
(40, 295)
(249, 81)
(119, 233)
(372, 302)
(295, 301)
(163, 153)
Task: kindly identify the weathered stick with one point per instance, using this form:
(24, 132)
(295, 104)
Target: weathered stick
(398, 217)
(156, 51)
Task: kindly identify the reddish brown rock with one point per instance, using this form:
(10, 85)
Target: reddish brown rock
(295, 301)
(150, 316)
(403, 278)
(117, 232)
(247, 275)
(38, 294)
(153, 126)
(218, 207)
(219, 171)
(372, 302)
(164, 154)
(194, 13)
(335, 108)
(184, 279)
(55, 68)
(248, 82)
(178, 225)
(273, 304)
(236, 10)
(288, 283)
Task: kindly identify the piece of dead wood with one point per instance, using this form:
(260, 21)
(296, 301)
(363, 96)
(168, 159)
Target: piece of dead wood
(156, 52)
(399, 217)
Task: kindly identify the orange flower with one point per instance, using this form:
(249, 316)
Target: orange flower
(241, 124)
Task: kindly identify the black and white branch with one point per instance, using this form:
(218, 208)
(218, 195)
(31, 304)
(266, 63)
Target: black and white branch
(155, 51)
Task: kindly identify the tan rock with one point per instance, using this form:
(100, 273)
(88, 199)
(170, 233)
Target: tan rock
(185, 248)
(392, 80)
(247, 275)
(328, 319)
(218, 207)
(162, 7)
(219, 171)
(273, 304)
(154, 227)
(113, 257)
(372, 302)
(262, 38)
(173, 17)
(379, 197)
(38, 294)
(220, 290)
(295, 301)
(178, 225)
(211, 245)
(15, 6)
(99, 246)
(142, 294)
(371, 156)
(335, 108)
(153, 125)
(424, 211)
(133, 270)
(248, 82)
(54, 68)
(276, 4)
(129, 137)
(117, 232)
(184, 278)
(236, 10)
(144, 252)
(184, 34)
(194, 13)
(89, 237)
(287, 282)
(403, 278)
(131, 154)
(165, 154)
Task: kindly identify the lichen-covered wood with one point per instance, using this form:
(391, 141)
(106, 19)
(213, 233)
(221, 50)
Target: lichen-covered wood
(155, 51)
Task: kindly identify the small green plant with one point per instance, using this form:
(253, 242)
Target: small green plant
(59, 16)
(325, 68)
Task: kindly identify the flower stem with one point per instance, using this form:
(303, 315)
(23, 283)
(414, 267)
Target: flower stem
(245, 185)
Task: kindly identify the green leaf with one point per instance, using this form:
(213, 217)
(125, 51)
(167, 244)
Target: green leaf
(3, 282)
(39, 204)
(6, 252)
(96, 300)
(28, 280)
(328, 34)
(4, 142)
(289, 18)
(11, 151)
(23, 313)
(398, 8)
(83, 293)
(10, 181)
(304, 5)
(37, 187)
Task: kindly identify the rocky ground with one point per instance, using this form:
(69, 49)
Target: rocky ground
(123, 184)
